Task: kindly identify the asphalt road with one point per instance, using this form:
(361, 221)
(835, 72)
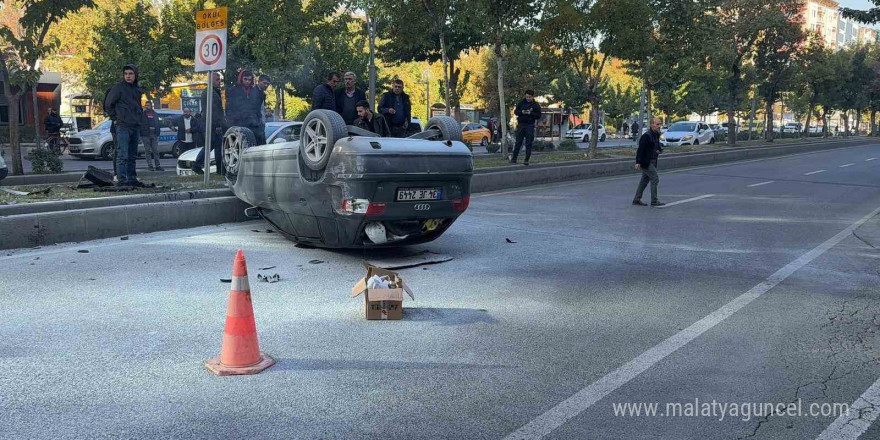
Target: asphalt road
(758, 285)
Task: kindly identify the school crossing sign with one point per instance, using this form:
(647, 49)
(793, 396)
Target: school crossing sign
(211, 39)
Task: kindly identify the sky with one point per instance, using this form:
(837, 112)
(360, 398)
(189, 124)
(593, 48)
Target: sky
(856, 4)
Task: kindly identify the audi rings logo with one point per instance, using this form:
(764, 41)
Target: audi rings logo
(422, 207)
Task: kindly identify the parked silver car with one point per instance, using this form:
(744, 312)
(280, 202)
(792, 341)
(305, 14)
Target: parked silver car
(344, 187)
(276, 133)
(97, 143)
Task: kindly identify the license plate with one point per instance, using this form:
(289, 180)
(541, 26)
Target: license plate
(412, 194)
(186, 172)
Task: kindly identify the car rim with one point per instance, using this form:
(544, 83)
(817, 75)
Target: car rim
(233, 151)
(484, 142)
(316, 140)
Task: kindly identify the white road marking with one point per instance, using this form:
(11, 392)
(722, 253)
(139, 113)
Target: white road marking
(704, 196)
(759, 184)
(862, 413)
(557, 416)
(814, 172)
(846, 165)
(868, 160)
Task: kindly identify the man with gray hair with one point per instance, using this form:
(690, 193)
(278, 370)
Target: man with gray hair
(348, 97)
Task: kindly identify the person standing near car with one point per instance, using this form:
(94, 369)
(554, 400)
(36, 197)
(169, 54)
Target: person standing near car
(635, 130)
(397, 109)
(53, 122)
(323, 97)
(646, 161)
(527, 113)
(150, 136)
(348, 97)
(244, 102)
(123, 106)
(370, 121)
(188, 129)
(218, 127)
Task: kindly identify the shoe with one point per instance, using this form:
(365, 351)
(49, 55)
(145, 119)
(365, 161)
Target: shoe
(513, 161)
(137, 184)
(160, 169)
(658, 204)
(526, 163)
(639, 203)
(151, 169)
(198, 171)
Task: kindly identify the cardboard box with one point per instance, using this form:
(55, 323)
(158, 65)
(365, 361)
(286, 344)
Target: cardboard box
(382, 303)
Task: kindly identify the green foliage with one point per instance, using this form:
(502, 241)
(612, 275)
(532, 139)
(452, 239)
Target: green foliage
(539, 145)
(567, 145)
(45, 161)
(619, 103)
(522, 71)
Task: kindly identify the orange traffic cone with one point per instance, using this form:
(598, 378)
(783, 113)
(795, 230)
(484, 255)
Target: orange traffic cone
(240, 353)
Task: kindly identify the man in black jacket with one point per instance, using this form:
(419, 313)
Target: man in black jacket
(243, 105)
(323, 97)
(189, 130)
(397, 109)
(370, 121)
(123, 105)
(150, 137)
(348, 97)
(218, 127)
(527, 113)
(53, 122)
(646, 160)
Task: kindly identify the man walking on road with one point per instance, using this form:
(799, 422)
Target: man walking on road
(218, 127)
(646, 160)
(150, 133)
(123, 106)
(527, 113)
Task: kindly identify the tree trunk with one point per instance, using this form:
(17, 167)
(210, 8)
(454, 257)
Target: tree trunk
(810, 110)
(37, 139)
(14, 138)
(824, 123)
(502, 114)
(768, 127)
(845, 124)
(445, 70)
(279, 94)
(649, 115)
(752, 116)
(858, 119)
(594, 129)
(873, 122)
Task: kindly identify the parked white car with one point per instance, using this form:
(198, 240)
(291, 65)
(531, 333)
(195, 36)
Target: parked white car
(4, 170)
(97, 143)
(276, 133)
(582, 132)
(687, 133)
(793, 127)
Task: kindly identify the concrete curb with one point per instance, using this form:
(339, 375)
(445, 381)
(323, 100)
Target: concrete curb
(81, 220)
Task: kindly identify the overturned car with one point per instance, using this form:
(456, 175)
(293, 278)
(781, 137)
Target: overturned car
(341, 186)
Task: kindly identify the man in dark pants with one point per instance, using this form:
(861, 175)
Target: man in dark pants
(243, 106)
(635, 130)
(218, 127)
(397, 109)
(123, 105)
(527, 113)
(646, 160)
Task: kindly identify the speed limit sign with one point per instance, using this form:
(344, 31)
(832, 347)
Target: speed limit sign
(211, 39)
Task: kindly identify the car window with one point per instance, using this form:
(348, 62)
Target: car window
(289, 133)
(104, 125)
(683, 126)
(704, 127)
(167, 120)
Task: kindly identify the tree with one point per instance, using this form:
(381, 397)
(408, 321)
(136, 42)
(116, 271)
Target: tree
(775, 62)
(739, 25)
(22, 48)
(816, 77)
(523, 71)
(619, 103)
(578, 38)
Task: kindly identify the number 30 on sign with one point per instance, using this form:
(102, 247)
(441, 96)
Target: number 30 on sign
(211, 40)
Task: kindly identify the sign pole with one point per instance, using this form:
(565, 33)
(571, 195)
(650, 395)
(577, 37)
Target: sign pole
(209, 133)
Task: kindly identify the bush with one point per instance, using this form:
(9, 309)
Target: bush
(568, 145)
(493, 148)
(44, 161)
(542, 145)
(26, 135)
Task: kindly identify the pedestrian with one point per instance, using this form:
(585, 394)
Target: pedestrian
(370, 121)
(263, 83)
(53, 122)
(348, 97)
(323, 97)
(270, 115)
(397, 109)
(188, 129)
(218, 127)
(527, 113)
(150, 136)
(624, 129)
(244, 103)
(493, 127)
(646, 160)
(635, 130)
(123, 106)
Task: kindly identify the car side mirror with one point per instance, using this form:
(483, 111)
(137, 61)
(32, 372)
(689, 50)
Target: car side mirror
(279, 140)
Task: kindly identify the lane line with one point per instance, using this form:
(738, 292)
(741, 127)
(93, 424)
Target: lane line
(814, 172)
(759, 184)
(846, 165)
(557, 416)
(705, 196)
(868, 160)
(862, 413)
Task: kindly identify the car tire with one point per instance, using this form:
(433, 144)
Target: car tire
(712, 140)
(108, 150)
(449, 128)
(484, 142)
(320, 131)
(586, 138)
(602, 139)
(696, 142)
(235, 141)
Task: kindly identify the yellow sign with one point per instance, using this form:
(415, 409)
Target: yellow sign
(211, 19)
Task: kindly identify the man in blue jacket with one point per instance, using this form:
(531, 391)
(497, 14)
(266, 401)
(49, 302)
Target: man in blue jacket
(397, 109)
(527, 113)
(646, 160)
(123, 105)
(323, 97)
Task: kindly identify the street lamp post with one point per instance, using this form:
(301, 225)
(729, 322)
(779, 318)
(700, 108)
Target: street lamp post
(426, 79)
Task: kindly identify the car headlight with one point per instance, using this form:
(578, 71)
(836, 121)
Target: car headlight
(663, 137)
(687, 138)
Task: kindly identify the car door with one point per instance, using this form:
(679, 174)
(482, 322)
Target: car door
(705, 135)
(167, 135)
(467, 133)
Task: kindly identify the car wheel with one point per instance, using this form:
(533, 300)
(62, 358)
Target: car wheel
(321, 130)
(586, 138)
(484, 142)
(602, 139)
(449, 128)
(177, 149)
(108, 150)
(696, 142)
(235, 142)
(712, 140)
